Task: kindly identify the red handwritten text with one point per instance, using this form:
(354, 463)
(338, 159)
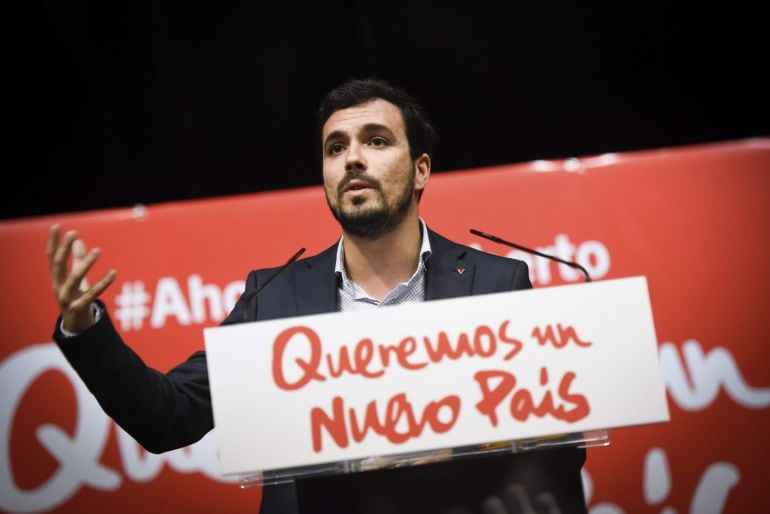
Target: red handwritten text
(398, 412)
(522, 403)
(560, 340)
(369, 359)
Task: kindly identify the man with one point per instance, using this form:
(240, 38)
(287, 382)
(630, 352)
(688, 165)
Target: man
(376, 144)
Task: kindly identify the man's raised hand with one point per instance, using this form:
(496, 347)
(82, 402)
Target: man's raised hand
(70, 287)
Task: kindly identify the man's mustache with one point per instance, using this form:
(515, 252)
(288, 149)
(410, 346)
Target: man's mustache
(369, 181)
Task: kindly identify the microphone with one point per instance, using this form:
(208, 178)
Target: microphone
(530, 250)
(277, 272)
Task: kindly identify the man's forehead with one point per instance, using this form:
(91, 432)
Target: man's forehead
(372, 112)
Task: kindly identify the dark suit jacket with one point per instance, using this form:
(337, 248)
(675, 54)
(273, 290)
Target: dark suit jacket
(165, 412)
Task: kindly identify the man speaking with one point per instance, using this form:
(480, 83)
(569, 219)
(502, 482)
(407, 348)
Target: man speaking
(377, 144)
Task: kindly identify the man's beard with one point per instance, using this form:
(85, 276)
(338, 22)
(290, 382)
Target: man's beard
(373, 223)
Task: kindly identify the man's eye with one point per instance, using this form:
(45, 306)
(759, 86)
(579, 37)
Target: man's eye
(336, 148)
(378, 141)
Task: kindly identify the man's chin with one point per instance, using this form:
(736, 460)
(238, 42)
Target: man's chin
(363, 219)
(368, 224)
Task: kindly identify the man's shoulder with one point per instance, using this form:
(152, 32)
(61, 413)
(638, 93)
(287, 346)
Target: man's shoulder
(442, 245)
(489, 273)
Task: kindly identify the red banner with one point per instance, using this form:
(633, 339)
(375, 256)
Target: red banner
(693, 220)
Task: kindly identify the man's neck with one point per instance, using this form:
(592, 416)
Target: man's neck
(378, 266)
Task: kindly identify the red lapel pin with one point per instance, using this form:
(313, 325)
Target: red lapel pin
(460, 270)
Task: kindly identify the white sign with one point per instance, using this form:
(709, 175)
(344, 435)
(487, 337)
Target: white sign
(441, 374)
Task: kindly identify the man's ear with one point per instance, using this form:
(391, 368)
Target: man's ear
(421, 172)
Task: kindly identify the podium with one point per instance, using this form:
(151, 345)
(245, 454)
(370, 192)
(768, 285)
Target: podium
(410, 392)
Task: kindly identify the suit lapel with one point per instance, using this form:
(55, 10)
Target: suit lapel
(316, 284)
(449, 274)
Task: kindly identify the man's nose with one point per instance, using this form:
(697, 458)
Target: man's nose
(354, 159)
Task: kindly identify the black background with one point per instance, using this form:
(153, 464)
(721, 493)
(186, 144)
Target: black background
(143, 102)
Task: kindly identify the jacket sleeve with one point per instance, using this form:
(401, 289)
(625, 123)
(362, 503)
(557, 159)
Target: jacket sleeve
(161, 411)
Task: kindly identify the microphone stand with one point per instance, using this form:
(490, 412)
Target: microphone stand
(530, 250)
(254, 293)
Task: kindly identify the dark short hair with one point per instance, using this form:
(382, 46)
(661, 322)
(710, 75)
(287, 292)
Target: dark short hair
(420, 133)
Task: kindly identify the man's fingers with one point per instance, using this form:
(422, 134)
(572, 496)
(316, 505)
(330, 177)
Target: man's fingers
(59, 259)
(79, 270)
(53, 240)
(71, 287)
(93, 293)
(78, 249)
(78, 254)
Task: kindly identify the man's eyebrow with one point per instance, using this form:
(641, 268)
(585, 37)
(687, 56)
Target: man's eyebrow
(377, 127)
(333, 136)
(368, 128)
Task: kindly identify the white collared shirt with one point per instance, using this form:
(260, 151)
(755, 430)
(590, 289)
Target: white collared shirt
(351, 297)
